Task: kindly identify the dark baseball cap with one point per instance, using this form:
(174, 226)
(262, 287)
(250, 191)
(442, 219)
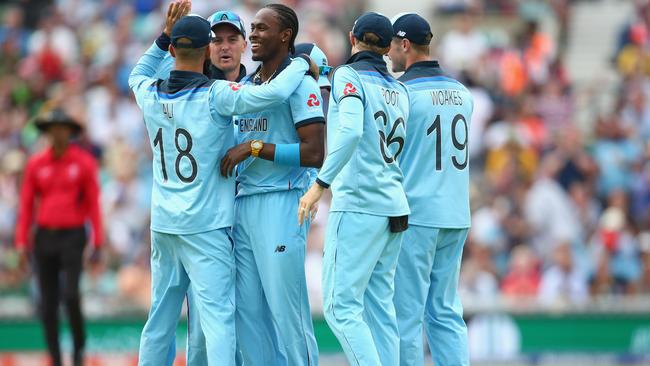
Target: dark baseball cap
(194, 28)
(376, 23)
(227, 17)
(412, 27)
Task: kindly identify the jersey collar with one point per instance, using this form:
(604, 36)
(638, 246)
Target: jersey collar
(374, 59)
(179, 79)
(286, 62)
(426, 65)
(216, 73)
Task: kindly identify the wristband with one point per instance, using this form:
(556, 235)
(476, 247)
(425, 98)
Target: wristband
(322, 184)
(163, 41)
(287, 154)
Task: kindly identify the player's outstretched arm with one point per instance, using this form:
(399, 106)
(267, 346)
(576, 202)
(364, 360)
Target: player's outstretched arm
(228, 98)
(347, 93)
(149, 63)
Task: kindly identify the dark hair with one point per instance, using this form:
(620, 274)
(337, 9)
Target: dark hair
(288, 19)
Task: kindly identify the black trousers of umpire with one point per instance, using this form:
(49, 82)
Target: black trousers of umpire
(58, 255)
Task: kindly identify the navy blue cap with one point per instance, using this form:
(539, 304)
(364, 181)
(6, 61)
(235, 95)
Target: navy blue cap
(376, 23)
(194, 28)
(412, 27)
(227, 17)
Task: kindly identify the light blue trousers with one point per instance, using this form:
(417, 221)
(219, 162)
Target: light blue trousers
(274, 324)
(205, 263)
(426, 295)
(358, 285)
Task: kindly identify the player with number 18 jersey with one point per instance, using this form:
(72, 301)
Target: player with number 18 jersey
(188, 119)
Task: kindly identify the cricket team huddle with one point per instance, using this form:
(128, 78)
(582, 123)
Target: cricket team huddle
(240, 164)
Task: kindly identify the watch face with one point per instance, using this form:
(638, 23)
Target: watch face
(257, 145)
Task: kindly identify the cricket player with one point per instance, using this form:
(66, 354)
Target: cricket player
(369, 211)
(226, 49)
(188, 119)
(436, 179)
(277, 147)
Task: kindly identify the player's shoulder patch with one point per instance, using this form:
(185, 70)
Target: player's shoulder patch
(312, 101)
(349, 86)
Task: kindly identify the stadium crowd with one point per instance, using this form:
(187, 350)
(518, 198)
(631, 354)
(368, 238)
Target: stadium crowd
(561, 211)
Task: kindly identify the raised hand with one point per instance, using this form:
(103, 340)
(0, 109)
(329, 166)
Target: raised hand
(175, 11)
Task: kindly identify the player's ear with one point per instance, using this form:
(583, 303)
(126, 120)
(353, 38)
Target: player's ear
(352, 40)
(207, 52)
(286, 35)
(406, 45)
(172, 51)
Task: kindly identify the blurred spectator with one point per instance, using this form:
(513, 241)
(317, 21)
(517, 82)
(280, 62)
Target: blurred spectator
(548, 211)
(13, 39)
(538, 52)
(478, 280)
(481, 115)
(562, 284)
(464, 46)
(615, 156)
(125, 201)
(616, 249)
(644, 241)
(522, 281)
(555, 107)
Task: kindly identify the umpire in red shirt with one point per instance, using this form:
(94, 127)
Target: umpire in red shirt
(60, 192)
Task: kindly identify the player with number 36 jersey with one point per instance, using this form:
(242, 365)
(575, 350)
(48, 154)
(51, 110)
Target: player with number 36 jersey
(436, 178)
(367, 114)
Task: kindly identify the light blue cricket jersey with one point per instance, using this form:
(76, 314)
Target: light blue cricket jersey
(371, 180)
(277, 125)
(188, 119)
(435, 160)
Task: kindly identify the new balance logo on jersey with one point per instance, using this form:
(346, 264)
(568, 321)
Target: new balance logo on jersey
(235, 86)
(313, 101)
(280, 249)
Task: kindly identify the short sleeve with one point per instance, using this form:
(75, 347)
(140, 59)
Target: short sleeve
(346, 83)
(306, 103)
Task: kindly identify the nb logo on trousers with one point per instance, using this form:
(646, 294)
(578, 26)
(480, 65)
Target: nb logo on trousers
(280, 248)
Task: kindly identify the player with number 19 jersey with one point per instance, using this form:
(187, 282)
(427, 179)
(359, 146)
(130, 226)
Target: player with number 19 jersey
(435, 162)
(441, 109)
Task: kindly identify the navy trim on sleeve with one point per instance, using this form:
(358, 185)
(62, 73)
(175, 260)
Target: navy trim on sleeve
(309, 121)
(351, 96)
(322, 184)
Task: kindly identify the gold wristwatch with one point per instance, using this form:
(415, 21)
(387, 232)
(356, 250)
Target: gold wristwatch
(256, 147)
